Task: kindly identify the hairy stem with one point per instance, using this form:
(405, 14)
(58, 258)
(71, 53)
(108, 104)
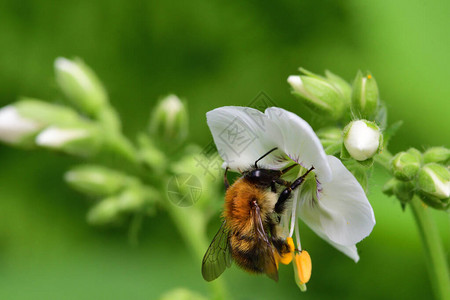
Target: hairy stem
(438, 269)
(434, 252)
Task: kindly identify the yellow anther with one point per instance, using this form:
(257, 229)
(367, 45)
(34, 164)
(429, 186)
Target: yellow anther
(369, 76)
(302, 267)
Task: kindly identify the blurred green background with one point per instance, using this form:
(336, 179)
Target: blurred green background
(212, 53)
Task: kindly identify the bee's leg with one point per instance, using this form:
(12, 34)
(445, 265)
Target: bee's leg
(280, 205)
(283, 182)
(225, 179)
(273, 188)
(285, 170)
(280, 244)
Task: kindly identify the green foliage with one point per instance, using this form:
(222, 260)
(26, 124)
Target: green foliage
(213, 54)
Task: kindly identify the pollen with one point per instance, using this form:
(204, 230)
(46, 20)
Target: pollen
(286, 258)
(290, 242)
(302, 266)
(369, 76)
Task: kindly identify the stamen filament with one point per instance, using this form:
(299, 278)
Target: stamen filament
(297, 237)
(293, 214)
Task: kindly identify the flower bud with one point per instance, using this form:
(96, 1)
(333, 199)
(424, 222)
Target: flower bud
(416, 153)
(403, 190)
(105, 212)
(112, 209)
(405, 166)
(136, 198)
(82, 140)
(80, 85)
(319, 95)
(434, 180)
(365, 96)
(15, 128)
(362, 139)
(437, 155)
(21, 121)
(435, 202)
(96, 181)
(343, 86)
(169, 121)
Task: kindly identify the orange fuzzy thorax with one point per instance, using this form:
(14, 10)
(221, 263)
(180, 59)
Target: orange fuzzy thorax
(238, 205)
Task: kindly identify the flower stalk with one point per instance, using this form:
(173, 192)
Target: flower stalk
(437, 264)
(436, 261)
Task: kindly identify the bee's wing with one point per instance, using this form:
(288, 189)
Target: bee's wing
(218, 256)
(266, 260)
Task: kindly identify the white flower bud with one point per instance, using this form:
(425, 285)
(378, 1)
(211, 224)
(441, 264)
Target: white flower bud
(14, 127)
(362, 139)
(319, 95)
(169, 120)
(21, 121)
(80, 85)
(96, 180)
(81, 140)
(434, 179)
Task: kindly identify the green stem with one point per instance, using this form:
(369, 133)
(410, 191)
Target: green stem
(384, 159)
(192, 223)
(438, 269)
(434, 252)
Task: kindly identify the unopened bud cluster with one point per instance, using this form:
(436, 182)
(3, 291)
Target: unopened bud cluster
(426, 175)
(333, 97)
(117, 194)
(89, 127)
(32, 122)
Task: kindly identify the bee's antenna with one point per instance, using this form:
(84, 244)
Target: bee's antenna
(270, 151)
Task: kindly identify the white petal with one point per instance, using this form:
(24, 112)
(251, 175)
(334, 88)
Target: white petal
(311, 217)
(241, 135)
(297, 139)
(350, 251)
(54, 137)
(13, 127)
(343, 214)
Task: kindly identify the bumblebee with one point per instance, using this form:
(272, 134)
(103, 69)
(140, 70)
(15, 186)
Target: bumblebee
(250, 232)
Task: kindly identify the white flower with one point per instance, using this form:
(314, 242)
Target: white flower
(362, 139)
(14, 127)
(334, 206)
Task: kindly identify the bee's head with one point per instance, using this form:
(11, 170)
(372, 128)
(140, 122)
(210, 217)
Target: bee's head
(263, 177)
